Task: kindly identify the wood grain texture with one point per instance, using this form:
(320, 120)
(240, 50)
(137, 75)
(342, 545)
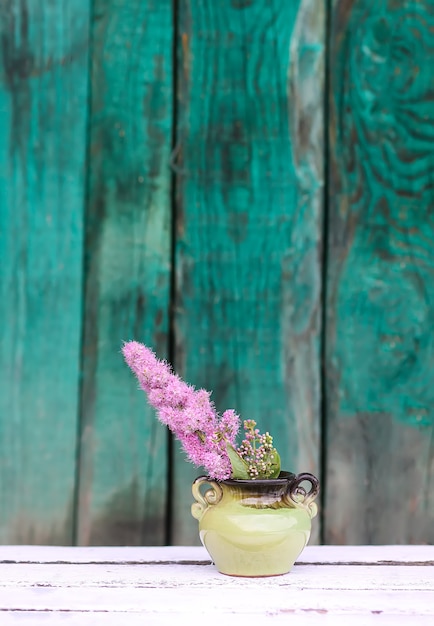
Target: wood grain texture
(380, 439)
(123, 464)
(249, 188)
(43, 116)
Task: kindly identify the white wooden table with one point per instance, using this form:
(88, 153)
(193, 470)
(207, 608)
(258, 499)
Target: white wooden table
(351, 586)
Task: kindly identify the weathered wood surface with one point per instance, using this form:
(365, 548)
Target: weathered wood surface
(43, 118)
(123, 454)
(380, 427)
(249, 163)
(91, 151)
(171, 584)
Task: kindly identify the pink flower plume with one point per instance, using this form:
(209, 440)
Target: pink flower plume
(188, 413)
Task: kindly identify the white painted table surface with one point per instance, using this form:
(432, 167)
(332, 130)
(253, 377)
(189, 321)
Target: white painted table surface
(330, 585)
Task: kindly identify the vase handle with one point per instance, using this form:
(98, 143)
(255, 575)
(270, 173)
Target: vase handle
(298, 496)
(204, 500)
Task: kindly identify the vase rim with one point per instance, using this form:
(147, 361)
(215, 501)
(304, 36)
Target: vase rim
(283, 478)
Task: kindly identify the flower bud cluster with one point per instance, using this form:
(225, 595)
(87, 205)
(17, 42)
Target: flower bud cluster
(257, 451)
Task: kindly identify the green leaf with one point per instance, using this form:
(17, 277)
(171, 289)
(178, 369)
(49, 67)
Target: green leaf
(275, 467)
(239, 466)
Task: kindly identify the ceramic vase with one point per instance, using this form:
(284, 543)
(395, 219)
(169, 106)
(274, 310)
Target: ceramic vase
(255, 527)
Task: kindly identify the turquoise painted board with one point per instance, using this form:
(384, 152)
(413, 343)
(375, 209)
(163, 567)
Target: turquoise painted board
(87, 202)
(123, 453)
(43, 116)
(248, 221)
(380, 340)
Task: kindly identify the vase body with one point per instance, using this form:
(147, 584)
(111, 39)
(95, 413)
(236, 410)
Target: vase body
(255, 527)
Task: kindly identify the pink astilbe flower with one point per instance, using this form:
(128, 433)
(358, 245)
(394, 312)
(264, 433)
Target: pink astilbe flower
(230, 424)
(188, 413)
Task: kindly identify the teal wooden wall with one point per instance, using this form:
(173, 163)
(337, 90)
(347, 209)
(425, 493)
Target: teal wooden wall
(247, 186)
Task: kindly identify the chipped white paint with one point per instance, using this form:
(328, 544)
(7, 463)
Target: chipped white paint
(110, 586)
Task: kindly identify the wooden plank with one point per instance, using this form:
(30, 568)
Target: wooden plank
(388, 578)
(249, 205)
(162, 618)
(43, 117)
(180, 590)
(380, 427)
(136, 619)
(317, 555)
(123, 464)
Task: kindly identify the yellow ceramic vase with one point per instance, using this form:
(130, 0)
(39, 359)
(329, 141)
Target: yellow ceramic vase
(255, 527)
